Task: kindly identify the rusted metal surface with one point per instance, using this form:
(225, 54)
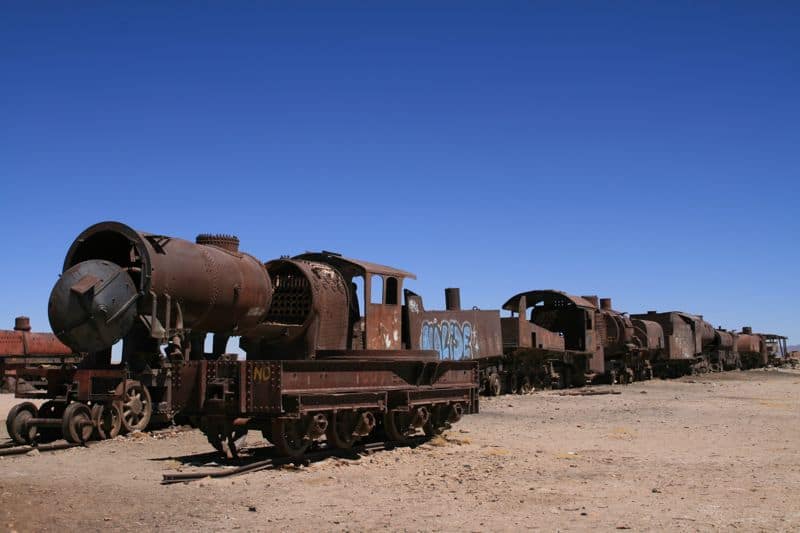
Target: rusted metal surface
(553, 313)
(176, 286)
(21, 347)
(313, 352)
(650, 336)
(309, 312)
(680, 343)
(724, 351)
(616, 331)
(777, 349)
(752, 348)
(452, 299)
(24, 342)
(316, 307)
(455, 334)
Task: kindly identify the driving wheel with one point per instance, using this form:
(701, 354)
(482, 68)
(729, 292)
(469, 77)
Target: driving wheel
(76, 425)
(137, 407)
(17, 423)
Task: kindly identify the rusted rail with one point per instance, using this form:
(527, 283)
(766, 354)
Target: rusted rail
(11, 448)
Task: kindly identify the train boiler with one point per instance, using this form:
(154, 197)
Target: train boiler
(22, 347)
(627, 352)
(724, 351)
(318, 368)
(146, 290)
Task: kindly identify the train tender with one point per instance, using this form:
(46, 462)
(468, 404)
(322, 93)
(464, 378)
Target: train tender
(22, 347)
(317, 366)
(752, 349)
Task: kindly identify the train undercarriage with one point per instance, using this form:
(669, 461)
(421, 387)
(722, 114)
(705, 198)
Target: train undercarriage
(295, 404)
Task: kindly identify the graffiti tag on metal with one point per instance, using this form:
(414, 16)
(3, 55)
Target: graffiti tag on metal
(452, 339)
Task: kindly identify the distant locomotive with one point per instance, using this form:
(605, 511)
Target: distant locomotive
(316, 366)
(22, 347)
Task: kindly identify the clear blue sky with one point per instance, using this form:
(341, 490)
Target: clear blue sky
(645, 151)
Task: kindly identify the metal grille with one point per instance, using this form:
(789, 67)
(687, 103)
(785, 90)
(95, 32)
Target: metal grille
(291, 301)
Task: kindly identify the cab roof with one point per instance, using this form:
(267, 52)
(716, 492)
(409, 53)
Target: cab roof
(356, 266)
(546, 295)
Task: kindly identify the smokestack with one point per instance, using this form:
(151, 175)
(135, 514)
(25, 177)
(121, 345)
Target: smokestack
(452, 299)
(22, 323)
(747, 330)
(592, 300)
(652, 312)
(605, 304)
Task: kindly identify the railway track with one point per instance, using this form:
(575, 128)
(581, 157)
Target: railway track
(275, 462)
(11, 448)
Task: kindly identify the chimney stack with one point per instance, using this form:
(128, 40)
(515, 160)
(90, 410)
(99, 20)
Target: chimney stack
(22, 323)
(452, 299)
(605, 304)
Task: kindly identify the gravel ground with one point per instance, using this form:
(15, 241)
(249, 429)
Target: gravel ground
(713, 452)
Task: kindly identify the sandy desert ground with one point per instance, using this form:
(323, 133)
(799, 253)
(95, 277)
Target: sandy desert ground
(713, 452)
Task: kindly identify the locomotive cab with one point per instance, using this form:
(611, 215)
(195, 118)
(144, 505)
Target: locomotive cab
(554, 320)
(380, 326)
(317, 308)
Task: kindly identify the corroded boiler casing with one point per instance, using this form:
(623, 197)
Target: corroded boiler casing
(309, 312)
(649, 335)
(114, 274)
(680, 342)
(22, 341)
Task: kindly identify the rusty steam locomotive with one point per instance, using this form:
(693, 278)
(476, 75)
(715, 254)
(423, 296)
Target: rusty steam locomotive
(336, 349)
(317, 366)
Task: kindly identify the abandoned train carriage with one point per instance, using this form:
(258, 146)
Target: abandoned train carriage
(316, 365)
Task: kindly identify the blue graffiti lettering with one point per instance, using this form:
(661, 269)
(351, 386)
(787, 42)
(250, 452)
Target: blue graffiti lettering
(449, 338)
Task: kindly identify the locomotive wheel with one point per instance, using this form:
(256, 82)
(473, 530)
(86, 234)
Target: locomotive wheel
(526, 387)
(228, 442)
(76, 424)
(137, 407)
(493, 385)
(16, 423)
(289, 436)
(341, 430)
(513, 383)
(107, 420)
(437, 422)
(397, 425)
(50, 409)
